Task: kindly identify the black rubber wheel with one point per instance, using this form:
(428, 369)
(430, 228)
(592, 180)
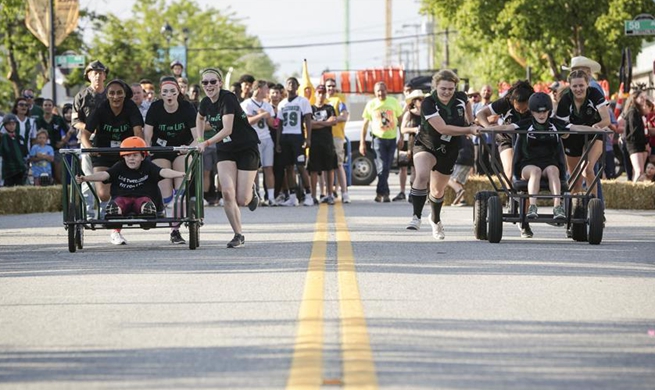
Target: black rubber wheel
(495, 219)
(363, 170)
(595, 209)
(194, 230)
(480, 214)
(79, 236)
(579, 230)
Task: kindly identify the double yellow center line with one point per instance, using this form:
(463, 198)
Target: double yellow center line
(357, 359)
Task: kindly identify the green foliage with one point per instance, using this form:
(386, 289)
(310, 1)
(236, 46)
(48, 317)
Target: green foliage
(134, 50)
(542, 34)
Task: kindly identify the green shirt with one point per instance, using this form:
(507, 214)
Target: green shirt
(383, 115)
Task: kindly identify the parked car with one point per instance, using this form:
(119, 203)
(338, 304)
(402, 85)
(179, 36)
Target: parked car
(363, 170)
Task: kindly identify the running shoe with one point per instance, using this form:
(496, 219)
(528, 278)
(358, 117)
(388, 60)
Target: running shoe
(112, 209)
(291, 202)
(149, 208)
(117, 238)
(254, 201)
(176, 237)
(532, 211)
(414, 224)
(527, 232)
(237, 242)
(345, 198)
(558, 212)
(399, 197)
(309, 201)
(437, 230)
(330, 200)
(458, 197)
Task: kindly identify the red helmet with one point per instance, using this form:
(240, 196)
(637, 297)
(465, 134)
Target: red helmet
(133, 142)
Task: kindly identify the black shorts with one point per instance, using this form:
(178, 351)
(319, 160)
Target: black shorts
(446, 156)
(504, 141)
(246, 159)
(292, 149)
(542, 164)
(635, 147)
(105, 160)
(322, 156)
(574, 144)
(170, 156)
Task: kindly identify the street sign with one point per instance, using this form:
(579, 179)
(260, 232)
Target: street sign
(70, 61)
(640, 27)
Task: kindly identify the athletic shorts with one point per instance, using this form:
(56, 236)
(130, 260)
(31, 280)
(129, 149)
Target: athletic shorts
(209, 158)
(461, 173)
(105, 160)
(267, 151)
(574, 144)
(445, 156)
(541, 164)
(292, 149)
(322, 156)
(340, 150)
(246, 159)
(504, 141)
(635, 147)
(130, 204)
(170, 156)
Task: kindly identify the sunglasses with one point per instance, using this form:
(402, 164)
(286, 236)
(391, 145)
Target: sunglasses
(22, 104)
(28, 96)
(330, 86)
(212, 82)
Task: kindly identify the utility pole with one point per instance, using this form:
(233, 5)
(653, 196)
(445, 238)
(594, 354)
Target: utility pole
(52, 50)
(346, 35)
(388, 33)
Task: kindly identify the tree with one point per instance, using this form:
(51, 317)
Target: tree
(134, 50)
(498, 40)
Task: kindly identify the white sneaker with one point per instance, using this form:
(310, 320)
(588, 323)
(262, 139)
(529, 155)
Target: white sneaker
(204, 202)
(117, 238)
(280, 199)
(291, 202)
(308, 200)
(345, 198)
(221, 202)
(414, 224)
(437, 230)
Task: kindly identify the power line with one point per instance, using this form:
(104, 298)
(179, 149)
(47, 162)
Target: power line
(314, 44)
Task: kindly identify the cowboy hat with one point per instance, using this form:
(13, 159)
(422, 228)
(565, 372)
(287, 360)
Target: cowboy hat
(583, 62)
(415, 94)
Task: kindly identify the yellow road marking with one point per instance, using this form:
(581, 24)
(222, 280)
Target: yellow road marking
(357, 357)
(358, 365)
(307, 363)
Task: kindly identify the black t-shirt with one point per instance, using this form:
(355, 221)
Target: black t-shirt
(112, 129)
(504, 108)
(57, 128)
(466, 155)
(243, 135)
(171, 128)
(588, 114)
(453, 113)
(540, 147)
(634, 127)
(85, 102)
(320, 114)
(135, 182)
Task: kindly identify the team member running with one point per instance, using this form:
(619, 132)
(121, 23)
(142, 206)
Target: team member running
(116, 119)
(445, 116)
(171, 121)
(581, 105)
(236, 143)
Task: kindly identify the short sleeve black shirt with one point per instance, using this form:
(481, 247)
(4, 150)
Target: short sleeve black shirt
(112, 129)
(320, 114)
(504, 108)
(453, 113)
(171, 128)
(85, 102)
(243, 135)
(57, 128)
(539, 147)
(588, 113)
(135, 182)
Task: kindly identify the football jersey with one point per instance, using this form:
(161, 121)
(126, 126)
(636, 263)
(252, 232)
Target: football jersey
(251, 108)
(291, 114)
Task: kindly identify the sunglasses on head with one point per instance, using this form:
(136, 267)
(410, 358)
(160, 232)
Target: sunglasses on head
(212, 82)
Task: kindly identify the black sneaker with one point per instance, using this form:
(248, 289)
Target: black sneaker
(112, 209)
(238, 241)
(149, 208)
(399, 197)
(176, 237)
(254, 202)
(527, 232)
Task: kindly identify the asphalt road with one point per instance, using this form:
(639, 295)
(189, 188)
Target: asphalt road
(339, 296)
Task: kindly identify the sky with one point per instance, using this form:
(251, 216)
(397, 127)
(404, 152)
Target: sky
(293, 22)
